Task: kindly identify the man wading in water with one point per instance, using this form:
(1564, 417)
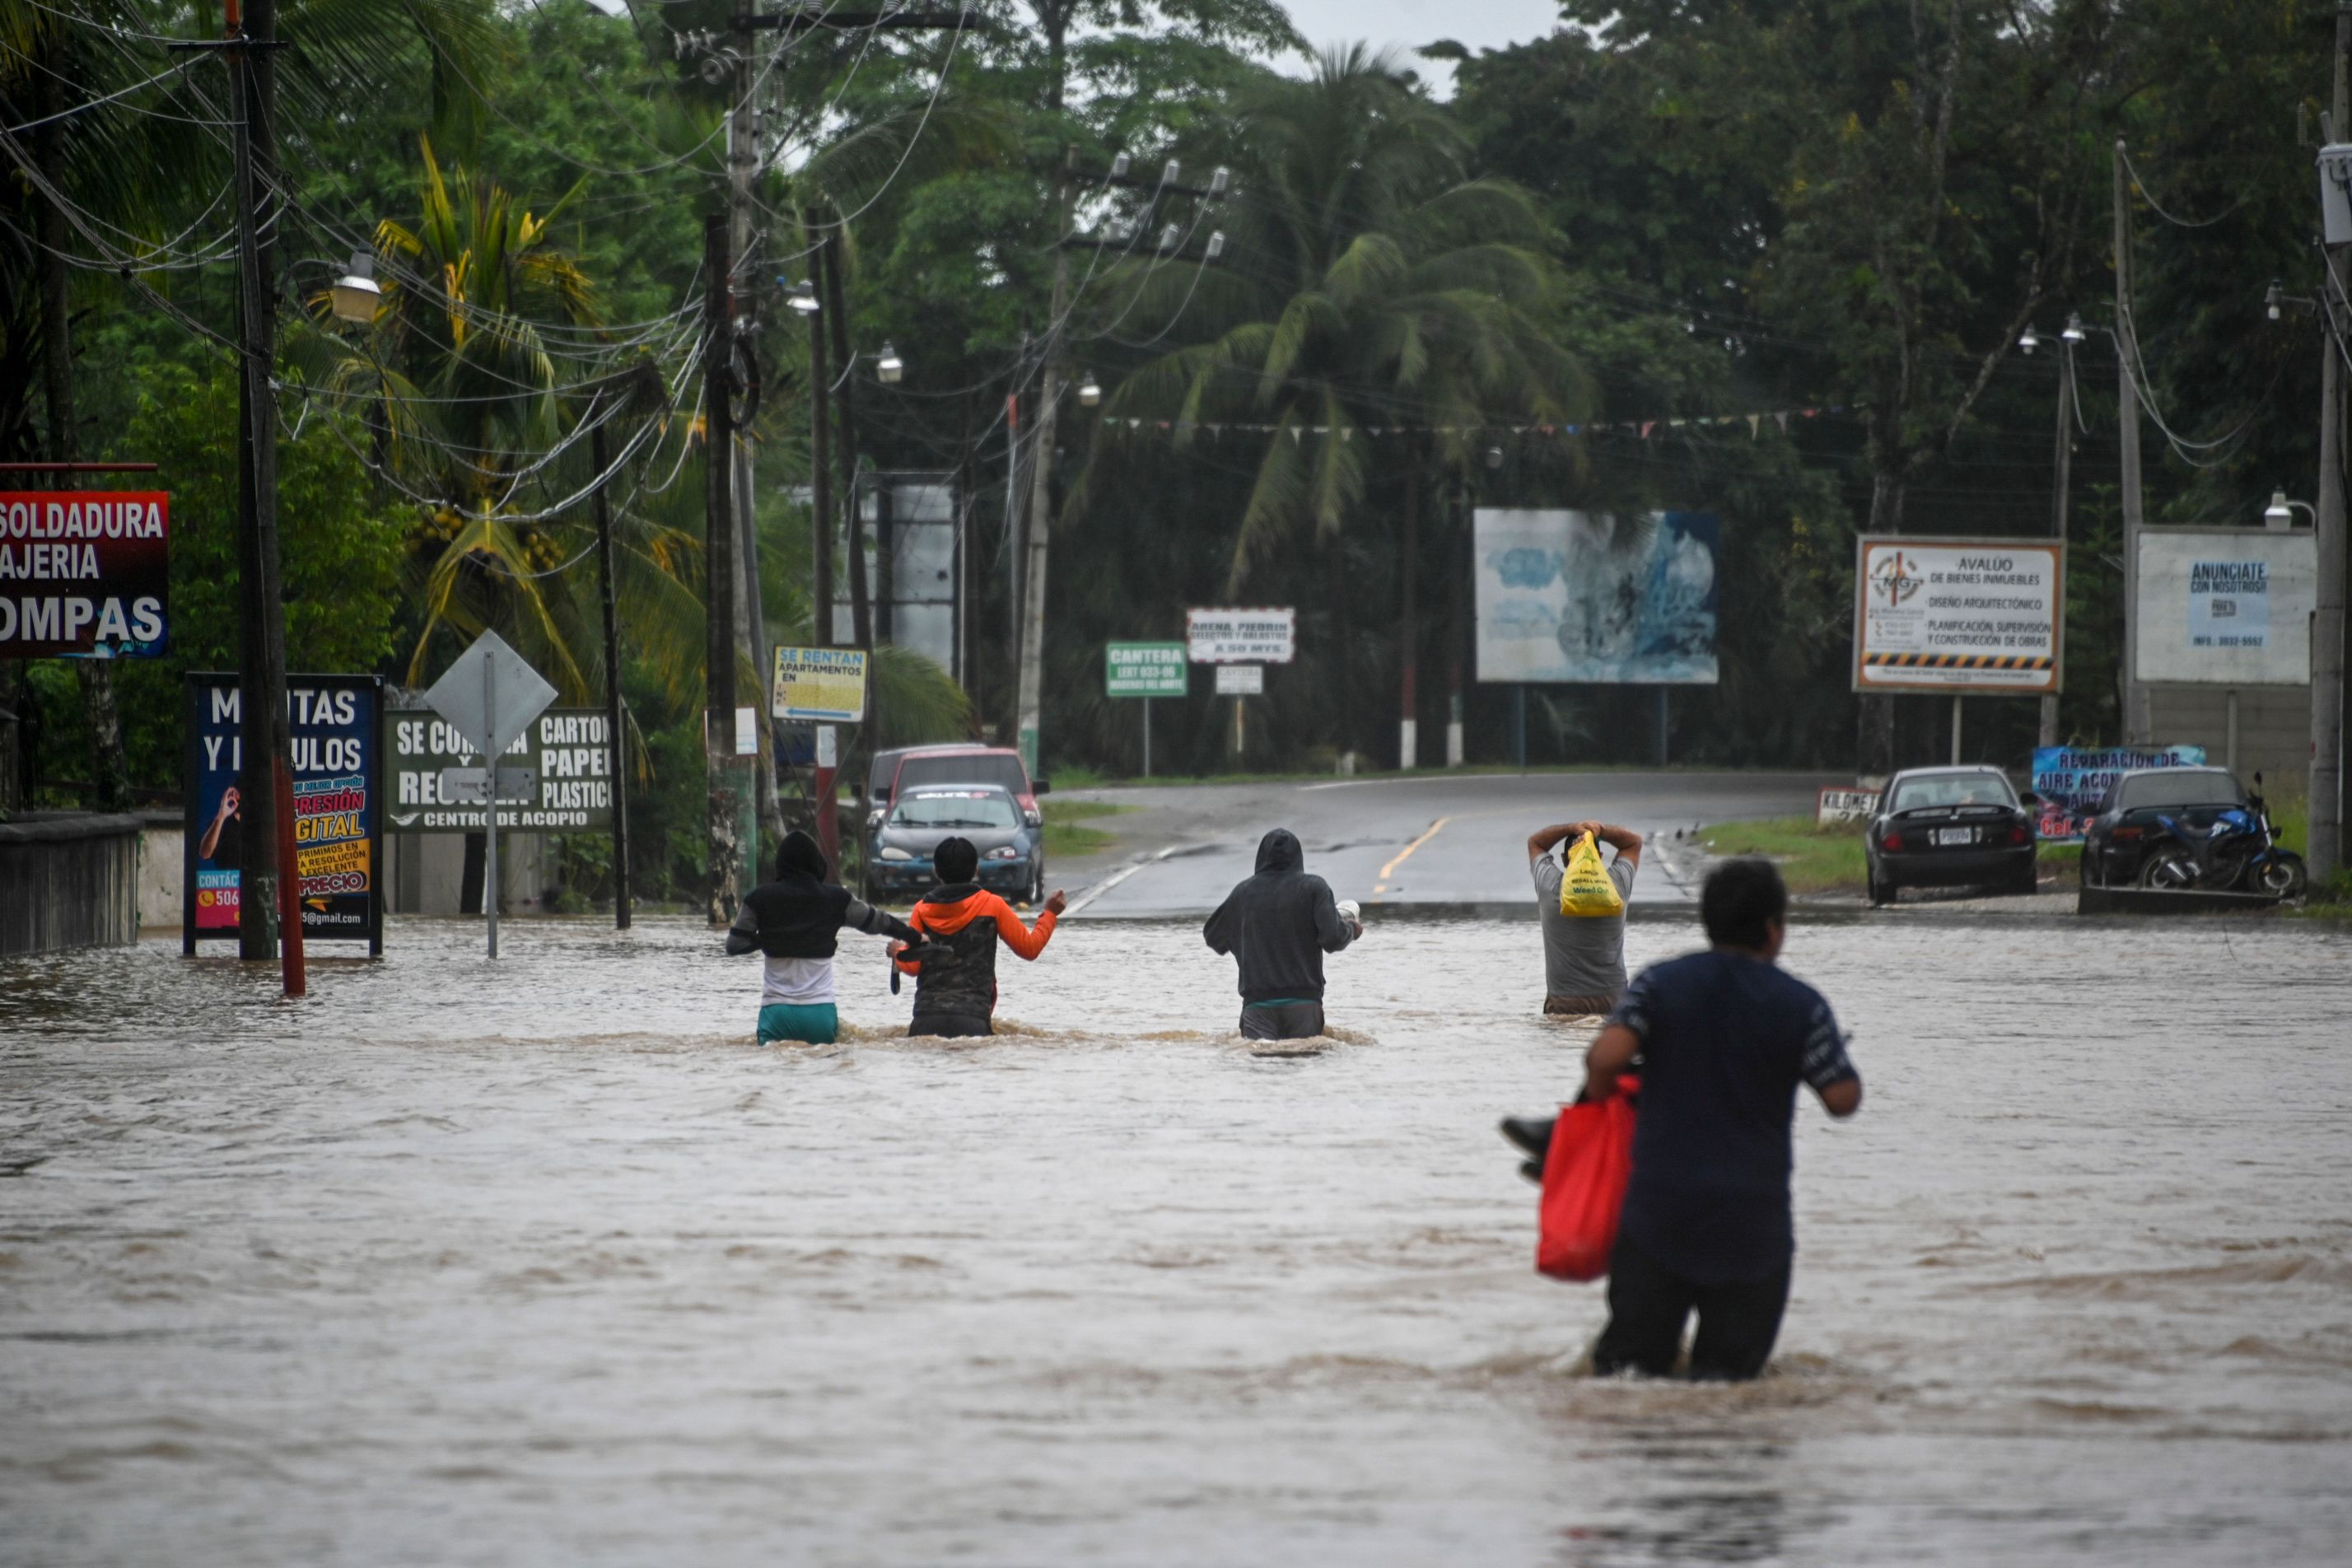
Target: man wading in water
(1278, 924)
(1584, 955)
(955, 979)
(795, 920)
(1724, 1038)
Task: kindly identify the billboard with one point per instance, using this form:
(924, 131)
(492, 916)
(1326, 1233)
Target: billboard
(824, 684)
(1242, 636)
(1604, 598)
(338, 806)
(84, 574)
(2226, 606)
(1959, 615)
(568, 752)
(2071, 779)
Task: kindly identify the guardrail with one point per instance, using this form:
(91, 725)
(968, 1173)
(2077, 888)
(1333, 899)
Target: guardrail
(72, 880)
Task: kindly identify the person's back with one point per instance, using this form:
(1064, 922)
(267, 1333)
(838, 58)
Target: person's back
(1277, 924)
(1584, 955)
(1723, 1039)
(955, 989)
(795, 921)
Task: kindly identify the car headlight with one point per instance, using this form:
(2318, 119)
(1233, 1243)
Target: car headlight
(1007, 853)
(892, 852)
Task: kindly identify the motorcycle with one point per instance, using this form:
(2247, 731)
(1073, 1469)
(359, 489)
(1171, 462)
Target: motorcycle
(2240, 852)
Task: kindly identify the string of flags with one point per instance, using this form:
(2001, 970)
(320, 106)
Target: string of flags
(1645, 429)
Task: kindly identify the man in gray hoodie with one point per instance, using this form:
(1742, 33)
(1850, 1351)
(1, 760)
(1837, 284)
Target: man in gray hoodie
(1278, 924)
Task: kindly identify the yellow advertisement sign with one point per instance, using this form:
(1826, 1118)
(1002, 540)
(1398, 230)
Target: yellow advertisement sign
(826, 685)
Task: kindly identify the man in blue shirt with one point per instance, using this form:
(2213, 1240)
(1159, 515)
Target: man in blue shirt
(1722, 1038)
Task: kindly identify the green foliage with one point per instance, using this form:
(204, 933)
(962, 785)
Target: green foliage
(340, 552)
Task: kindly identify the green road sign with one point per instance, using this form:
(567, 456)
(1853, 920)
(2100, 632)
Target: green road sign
(1145, 669)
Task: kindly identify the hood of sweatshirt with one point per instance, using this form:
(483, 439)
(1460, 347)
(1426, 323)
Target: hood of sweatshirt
(799, 856)
(1279, 854)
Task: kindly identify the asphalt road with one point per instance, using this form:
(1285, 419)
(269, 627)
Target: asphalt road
(1434, 842)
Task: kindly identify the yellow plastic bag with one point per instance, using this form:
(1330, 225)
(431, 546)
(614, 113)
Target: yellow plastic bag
(1586, 889)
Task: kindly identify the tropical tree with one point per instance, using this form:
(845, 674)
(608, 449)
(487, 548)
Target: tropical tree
(1385, 311)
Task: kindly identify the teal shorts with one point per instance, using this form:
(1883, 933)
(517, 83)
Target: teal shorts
(817, 1026)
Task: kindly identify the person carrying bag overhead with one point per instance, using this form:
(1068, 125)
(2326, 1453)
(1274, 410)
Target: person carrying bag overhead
(1582, 907)
(955, 983)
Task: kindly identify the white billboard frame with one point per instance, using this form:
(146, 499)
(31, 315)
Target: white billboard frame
(1975, 659)
(2166, 621)
(1242, 635)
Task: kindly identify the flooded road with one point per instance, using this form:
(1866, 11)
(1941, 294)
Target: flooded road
(545, 1262)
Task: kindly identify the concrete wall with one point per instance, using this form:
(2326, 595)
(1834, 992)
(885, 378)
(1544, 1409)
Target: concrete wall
(423, 873)
(68, 880)
(2274, 728)
(162, 840)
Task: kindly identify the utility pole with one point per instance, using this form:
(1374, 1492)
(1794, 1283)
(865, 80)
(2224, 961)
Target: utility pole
(2325, 840)
(732, 826)
(2135, 696)
(613, 713)
(2048, 734)
(1030, 703)
(743, 237)
(261, 664)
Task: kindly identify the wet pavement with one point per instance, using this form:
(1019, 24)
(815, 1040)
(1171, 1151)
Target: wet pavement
(1447, 840)
(544, 1262)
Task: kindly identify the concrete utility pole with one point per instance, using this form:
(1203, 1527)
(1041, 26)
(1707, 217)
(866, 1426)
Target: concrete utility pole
(2048, 734)
(2325, 848)
(743, 237)
(2135, 697)
(732, 826)
(1032, 701)
(614, 710)
(261, 663)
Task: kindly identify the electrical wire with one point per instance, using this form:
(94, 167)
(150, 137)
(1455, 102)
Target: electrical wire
(2158, 207)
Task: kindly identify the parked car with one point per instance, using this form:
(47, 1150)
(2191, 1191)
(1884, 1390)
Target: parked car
(1950, 828)
(959, 762)
(1012, 848)
(2130, 819)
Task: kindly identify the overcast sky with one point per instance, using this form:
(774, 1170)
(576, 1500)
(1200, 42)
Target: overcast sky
(1406, 25)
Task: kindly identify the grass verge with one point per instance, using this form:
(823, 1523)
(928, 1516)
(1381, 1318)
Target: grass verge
(1066, 832)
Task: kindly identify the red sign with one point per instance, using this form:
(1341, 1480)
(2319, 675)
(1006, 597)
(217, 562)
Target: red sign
(84, 573)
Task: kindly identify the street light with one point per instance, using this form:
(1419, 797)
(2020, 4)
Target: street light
(2074, 332)
(803, 297)
(356, 294)
(889, 365)
(2030, 340)
(2280, 513)
(1089, 392)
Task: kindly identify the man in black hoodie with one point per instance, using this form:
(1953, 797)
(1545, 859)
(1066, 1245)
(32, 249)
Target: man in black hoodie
(1278, 924)
(795, 921)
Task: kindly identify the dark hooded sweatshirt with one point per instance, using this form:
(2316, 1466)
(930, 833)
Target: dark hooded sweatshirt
(800, 914)
(1279, 925)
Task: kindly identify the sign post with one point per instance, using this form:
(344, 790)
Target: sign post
(489, 696)
(1146, 669)
(826, 686)
(1239, 681)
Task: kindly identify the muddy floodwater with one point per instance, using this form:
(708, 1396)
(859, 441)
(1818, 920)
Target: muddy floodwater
(544, 1262)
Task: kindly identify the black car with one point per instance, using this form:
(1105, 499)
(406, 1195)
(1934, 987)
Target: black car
(1012, 849)
(2115, 840)
(1950, 828)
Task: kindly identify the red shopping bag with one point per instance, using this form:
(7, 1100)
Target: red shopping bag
(1592, 1155)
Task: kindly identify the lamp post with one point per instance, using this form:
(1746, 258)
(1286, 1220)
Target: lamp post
(355, 296)
(2072, 335)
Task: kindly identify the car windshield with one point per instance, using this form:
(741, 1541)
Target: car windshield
(960, 808)
(999, 769)
(1953, 789)
(2179, 789)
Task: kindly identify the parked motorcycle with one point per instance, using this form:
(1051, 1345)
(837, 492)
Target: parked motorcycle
(2239, 853)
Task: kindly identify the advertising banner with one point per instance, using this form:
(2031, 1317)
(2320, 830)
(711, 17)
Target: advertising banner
(1242, 636)
(84, 574)
(1145, 669)
(338, 806)
(2071, 779)
(824, 684)
(1959, 615)
(567, 752)
(2226, 606)
(1607, 598)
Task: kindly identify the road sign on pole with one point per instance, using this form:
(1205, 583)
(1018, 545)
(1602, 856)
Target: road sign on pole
(1242, 636)
(491, 696)
(1145, 669)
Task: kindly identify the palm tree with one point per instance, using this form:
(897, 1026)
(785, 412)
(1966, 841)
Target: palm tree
(1382, 310)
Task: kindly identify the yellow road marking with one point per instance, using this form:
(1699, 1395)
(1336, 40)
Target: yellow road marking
(1406, 853)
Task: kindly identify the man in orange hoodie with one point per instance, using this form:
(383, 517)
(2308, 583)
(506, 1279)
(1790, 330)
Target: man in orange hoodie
(955, 991)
